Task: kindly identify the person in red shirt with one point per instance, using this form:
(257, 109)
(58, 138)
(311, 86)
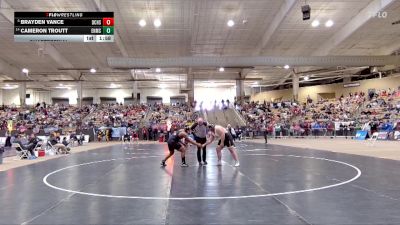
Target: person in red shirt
(135, 137)
(144, 133)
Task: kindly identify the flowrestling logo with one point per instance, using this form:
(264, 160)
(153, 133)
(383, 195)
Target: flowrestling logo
(378, 15)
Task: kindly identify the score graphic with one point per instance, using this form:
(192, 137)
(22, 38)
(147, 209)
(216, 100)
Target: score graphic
(64, 26)
(108, 26)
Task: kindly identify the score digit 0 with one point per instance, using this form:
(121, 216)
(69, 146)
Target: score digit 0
(108, 30)
(108, 21)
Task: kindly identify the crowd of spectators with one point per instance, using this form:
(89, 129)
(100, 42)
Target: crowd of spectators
(27, 123)
(108, 119)
(42, 117)
(162, 118)
(116, 115)
(375, 111)
(381, 112)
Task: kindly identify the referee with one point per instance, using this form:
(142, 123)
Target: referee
(199, 131)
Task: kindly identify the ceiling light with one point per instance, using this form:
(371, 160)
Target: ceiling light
(221, 69)
(93, 70)
(157, 22)
(306, 78)
(10, 87)
(25, 70)
(329, 23)
(286, 67)
(230, 23)
(142, 23)
(315, 23)
(162, 86)
(60, 84)
(158, 70)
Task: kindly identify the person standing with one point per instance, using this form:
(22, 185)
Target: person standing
(265, 129)
(231, 131)
(175, 143)
(144, 133)
(225, 140)
(199, 131)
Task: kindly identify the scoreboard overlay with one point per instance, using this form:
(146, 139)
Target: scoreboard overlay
(64, 26)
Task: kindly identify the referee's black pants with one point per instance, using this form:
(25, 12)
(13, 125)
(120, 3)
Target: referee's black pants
(201, 141)
(265, 136)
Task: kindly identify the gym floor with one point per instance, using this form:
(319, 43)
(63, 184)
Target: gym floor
(274, 185)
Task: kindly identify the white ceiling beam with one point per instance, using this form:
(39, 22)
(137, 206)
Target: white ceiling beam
(244, 73)
(11, 71)
(281, 81)
(5, 68)
(117, 38)
(388, 50)
(351, 70)
(352, 26)
(246, 61)
(278, 18)
(8, 12)
(57, 57)
(300, 81)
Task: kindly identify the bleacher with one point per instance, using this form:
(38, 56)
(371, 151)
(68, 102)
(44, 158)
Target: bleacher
(330, 117)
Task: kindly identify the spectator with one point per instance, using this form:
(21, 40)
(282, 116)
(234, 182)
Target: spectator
(65, 142)
(231, 131)
(61, 148)
(30, 146)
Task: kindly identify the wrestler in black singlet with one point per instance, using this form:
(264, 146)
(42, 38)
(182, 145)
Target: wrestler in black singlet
(174, 142)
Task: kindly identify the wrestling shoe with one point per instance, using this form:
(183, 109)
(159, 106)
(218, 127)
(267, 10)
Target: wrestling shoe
(237, 164)
(205, 163)
(219, 163)
(163, 163)
(200, 163)
(184, 165)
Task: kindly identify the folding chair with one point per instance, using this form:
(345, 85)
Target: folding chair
(73, 142)
(2, 141)
(38, 145)
(49, 148)
(22, 153)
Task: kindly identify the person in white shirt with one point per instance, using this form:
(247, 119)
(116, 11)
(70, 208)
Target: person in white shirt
(231, 131)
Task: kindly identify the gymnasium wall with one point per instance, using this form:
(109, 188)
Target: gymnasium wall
(208, 95)
(384, 83)
(38, 96)
(165, 93)
(9, 97)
